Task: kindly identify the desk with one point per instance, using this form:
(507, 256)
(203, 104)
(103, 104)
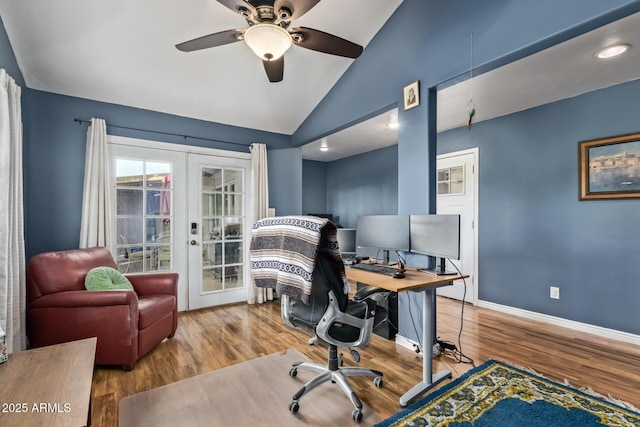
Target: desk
(48, 386)
(425, 283)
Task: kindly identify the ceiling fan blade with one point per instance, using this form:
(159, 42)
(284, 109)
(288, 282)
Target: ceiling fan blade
(325, 42)
(212, 40)
(297, 7)
(235, 5)
(274, 69)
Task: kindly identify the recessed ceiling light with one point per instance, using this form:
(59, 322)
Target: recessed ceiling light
(393, 120)
(323, 145)
(611, 51)
(324, 148)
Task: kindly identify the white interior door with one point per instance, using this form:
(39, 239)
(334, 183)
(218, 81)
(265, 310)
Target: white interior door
(457, 194)
(219, 229)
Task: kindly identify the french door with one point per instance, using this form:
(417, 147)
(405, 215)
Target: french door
(219, 229)
(195, 223)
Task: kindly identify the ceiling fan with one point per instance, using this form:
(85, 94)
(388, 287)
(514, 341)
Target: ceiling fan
(269, 35)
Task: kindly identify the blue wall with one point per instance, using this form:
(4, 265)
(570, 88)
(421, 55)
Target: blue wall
(314, 187)
(428, 40)
(534, 232)
(285, 181)
(54, 154)
(366, 184)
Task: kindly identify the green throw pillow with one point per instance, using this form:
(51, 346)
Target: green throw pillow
(106, 279)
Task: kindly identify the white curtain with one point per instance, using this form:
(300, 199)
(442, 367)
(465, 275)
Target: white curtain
(260, 195)
(12, 258)
(96, 214)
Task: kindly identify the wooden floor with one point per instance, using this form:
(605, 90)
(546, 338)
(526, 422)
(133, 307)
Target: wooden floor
(211, 339)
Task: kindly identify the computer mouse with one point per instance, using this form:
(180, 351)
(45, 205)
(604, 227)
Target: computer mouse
(398, 275)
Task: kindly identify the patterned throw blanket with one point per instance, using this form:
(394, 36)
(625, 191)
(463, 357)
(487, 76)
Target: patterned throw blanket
(283, 253)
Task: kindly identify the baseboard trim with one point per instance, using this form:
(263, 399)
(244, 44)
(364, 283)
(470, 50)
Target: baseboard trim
(405, 342)
(412, 345)
(613, 334)
(565, 323)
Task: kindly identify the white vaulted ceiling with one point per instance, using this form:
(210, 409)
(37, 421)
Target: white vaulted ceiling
(123, 52)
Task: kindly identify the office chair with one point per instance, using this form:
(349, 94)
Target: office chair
(336, 321)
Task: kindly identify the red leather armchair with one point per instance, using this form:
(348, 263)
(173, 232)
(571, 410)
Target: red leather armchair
(127, 324)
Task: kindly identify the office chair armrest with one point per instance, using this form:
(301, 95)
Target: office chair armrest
(371, 307)
(380, 296)
(333, 316)
(368, 291)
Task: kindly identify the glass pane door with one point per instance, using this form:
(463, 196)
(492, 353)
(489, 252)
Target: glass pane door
(220, 226)
(143, 215)
(222, 219)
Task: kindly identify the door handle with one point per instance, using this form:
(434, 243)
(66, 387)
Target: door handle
(193, 243)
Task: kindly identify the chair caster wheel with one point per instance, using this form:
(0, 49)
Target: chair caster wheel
(293, 372)
(356, 415)
(378, 382)
(293, 407)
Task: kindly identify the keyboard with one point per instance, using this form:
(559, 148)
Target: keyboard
(375, 268)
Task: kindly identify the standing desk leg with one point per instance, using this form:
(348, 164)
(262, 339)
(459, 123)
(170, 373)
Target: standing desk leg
(429, 380)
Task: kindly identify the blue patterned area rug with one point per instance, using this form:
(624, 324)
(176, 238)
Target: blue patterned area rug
(496, 394)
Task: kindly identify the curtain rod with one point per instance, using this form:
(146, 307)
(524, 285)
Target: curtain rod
(167, 133)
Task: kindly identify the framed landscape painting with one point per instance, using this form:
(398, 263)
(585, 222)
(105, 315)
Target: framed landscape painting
(610, 168)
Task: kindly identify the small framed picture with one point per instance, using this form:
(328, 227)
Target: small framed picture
(411, 95)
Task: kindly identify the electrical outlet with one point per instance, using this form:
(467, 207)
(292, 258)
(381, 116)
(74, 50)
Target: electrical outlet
(554, 292)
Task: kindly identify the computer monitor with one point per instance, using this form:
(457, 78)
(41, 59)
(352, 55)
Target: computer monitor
(347, 240)
(437, 236)
(386, 232)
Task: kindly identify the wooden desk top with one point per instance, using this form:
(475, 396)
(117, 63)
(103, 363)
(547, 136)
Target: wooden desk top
(413, 280)
(48, 386)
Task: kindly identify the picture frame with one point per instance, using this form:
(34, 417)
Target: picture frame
(609, 168)
(411, 95)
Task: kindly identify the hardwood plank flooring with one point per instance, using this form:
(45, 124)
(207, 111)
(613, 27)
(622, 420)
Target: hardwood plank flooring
(214, 338)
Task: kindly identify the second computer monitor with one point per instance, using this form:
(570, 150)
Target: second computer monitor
(387, 232)
(436, 235)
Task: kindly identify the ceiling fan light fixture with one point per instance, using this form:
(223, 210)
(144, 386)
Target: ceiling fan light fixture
(268, 41)
(611, 51)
